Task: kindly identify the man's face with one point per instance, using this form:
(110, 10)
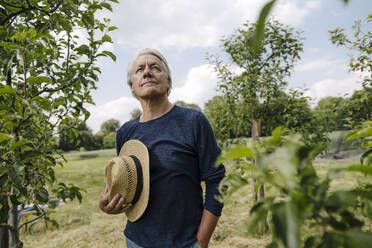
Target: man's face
(149, 79)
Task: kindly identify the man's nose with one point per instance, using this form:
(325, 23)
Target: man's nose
(147, 71)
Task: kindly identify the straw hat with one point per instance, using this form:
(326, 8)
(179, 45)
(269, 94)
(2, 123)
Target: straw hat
(129, 175)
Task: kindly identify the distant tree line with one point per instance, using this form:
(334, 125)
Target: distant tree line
(292, 110)
(289, 109)
(86, 140)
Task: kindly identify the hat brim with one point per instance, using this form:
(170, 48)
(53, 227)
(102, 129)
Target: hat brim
(138, 149)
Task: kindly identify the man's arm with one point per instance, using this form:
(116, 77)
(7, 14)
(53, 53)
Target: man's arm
(207, 225)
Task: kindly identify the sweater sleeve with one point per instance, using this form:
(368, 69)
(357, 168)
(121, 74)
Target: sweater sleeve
(212, 174)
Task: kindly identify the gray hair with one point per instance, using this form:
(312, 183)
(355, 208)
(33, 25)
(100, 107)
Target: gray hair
(156, 53)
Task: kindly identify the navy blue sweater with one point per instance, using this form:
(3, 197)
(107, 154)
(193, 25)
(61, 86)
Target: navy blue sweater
(183, 151)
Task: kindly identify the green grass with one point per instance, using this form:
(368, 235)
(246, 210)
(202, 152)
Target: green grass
(84, 225)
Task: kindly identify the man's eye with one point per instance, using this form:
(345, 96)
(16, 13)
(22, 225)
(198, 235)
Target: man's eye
(139, 69)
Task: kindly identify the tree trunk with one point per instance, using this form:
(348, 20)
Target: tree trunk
(14, 241)
(256, 128)
(4, 233)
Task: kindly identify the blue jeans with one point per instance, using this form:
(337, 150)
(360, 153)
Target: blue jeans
(131, 244)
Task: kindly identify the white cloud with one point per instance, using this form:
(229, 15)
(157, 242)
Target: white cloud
(199, 86)
(117, 109)
(187, 24)
(292, 13)
(334, 87)
(321, 64)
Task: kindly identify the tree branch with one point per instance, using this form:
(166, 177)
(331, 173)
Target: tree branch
(52, 10)
(28, 3)
(32, 220)
(12, 5)
(31, 7)
(9, 77)
(14, 14)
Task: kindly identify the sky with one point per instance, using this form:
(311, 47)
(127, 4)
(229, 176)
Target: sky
(186, 31)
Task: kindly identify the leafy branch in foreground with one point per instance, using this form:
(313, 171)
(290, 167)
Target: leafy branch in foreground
(48, 56)
(299, 197)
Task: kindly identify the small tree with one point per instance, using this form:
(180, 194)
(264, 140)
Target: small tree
(333, 218)
(257, 74)
(110, 126)
(46, 75)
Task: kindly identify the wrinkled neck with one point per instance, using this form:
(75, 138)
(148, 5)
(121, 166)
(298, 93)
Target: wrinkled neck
(154, 108)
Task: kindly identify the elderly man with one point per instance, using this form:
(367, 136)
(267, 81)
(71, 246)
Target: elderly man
(183, 152)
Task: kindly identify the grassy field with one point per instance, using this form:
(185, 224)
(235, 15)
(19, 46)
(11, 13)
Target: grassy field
(84, 225)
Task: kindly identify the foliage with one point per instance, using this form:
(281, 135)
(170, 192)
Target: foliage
(360, 48)
(340, 113)
(110, 126)
(253, 84)
(85, 138)
(109, 140)
(358, 106)
(225, 125)
(187, 105)
(135, 113)
(333, 111)
(363, 132)
(301, 198)
(47, 71)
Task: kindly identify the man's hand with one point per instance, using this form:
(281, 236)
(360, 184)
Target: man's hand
(115, 206)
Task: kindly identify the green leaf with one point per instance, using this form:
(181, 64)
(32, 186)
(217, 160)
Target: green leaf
(83, 49)
(106, 6)
(112, 28)
(340, 199)
(279, 221)
(106, 38)
(359, 133)
(41, 194)
(88, 19)
(360, 168)
(16, 174)
(234, 183)
(358, 238)
(7, 90)
(260, 28)
(366, 158)
(4, 136)
(16, 144)
(38, 80)
(110, 54)
(237, 151)
(31, 154)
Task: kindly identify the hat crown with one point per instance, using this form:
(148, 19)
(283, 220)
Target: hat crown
(121, 176)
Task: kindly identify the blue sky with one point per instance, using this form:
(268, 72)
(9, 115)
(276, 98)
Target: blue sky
(185, 31)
